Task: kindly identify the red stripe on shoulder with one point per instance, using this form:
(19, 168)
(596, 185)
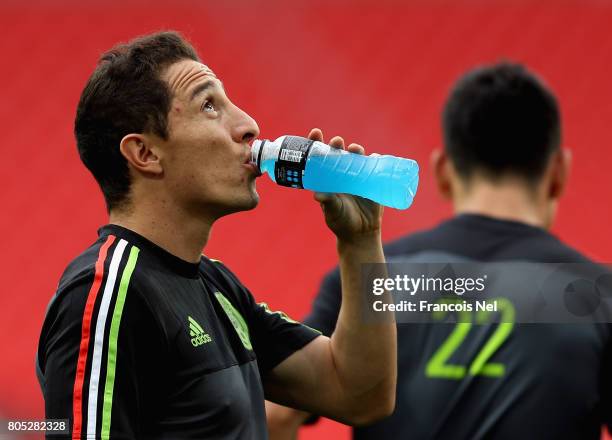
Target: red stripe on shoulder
(77, 395)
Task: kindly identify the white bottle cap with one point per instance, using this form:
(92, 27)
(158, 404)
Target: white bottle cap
(256, 153)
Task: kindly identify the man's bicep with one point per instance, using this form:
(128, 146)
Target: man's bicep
(307, 380)
(326, 305)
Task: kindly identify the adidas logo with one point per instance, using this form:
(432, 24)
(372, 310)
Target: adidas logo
(197, 333)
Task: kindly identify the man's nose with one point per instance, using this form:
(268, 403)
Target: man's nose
(245, 129)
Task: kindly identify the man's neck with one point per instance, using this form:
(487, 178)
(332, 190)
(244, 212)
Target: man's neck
(501, 202)
(181, 236)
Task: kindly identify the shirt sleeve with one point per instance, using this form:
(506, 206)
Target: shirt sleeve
(276, 336)
(99, 352)
(326, 305)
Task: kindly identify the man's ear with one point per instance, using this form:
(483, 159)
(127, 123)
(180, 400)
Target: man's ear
(139, 152)
(441, 169)
(561, 163)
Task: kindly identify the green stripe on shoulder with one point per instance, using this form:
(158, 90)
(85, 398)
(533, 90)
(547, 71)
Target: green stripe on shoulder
(213, 260)
(113, 336)
(284, 316)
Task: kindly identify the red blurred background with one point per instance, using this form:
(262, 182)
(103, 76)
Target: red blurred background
(375, 72)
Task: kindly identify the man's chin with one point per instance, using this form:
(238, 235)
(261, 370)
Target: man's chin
(245, 204)
(252, 204)
(253, 199)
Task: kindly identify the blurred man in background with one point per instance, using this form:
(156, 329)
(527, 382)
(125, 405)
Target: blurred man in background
(504, 170)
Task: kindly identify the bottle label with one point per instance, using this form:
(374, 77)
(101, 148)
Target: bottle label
(291, 162)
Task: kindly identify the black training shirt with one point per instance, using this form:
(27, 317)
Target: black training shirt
(138, 343)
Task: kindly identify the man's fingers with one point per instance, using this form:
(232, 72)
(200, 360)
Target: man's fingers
(337, 142)
(316, 135)
(323, 197)
(330, 201)
(332, 204)
(356, 148)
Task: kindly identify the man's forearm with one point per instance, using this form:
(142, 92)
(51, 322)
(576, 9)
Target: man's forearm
(364, 353)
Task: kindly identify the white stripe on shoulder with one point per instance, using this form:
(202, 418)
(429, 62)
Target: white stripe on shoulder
(94, 380)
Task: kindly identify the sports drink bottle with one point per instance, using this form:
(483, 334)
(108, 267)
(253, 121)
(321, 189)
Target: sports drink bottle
(299, 162)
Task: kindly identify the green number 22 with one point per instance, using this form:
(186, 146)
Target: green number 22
(437, 367)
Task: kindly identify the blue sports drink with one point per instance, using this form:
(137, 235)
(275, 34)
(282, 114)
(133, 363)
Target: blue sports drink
(298, 162)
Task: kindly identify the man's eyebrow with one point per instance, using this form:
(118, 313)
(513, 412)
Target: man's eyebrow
(200, 88)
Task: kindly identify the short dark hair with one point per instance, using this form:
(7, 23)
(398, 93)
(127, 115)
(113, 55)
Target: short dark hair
(501, 120)
(125, 94)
